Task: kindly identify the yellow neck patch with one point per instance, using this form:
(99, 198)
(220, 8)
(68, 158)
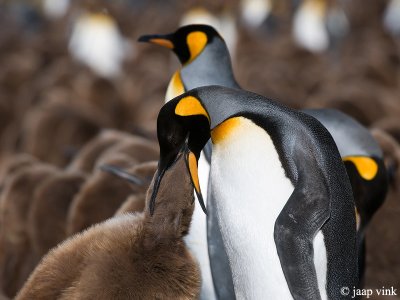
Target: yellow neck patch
(175, 87)
(194, 174)
(190, 106)
(101, 18)
(196, 42)
(366, 166)
(318, 6)
(223, 130)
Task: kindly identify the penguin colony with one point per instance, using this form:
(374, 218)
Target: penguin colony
(89, 197)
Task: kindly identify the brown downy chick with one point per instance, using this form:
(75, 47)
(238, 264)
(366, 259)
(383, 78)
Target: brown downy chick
(139, 176)
(54, 130)
(11, 165)
(99, 197)
(86, 158)
(15, 202)
(390, 125)
(48, 213)
(138, 148)
(134, 203)
(133, 256)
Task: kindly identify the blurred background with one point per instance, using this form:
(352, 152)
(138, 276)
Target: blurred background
(69, 69)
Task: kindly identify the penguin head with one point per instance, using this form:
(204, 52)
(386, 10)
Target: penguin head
(183, 128)
(187, 42)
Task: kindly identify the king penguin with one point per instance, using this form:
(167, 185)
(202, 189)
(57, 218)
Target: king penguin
(283, 199)
(196, 46)
(319, 25)
(206, 61)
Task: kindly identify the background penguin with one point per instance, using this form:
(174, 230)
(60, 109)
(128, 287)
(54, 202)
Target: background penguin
(391, 18)
(16, 260)
(318, 25)
(133, 256)
(207, 62)
(139, 177)
(99, 197)
(99, 30)
(49, 208)
(287, 218)
(86, 158)
(102, 193)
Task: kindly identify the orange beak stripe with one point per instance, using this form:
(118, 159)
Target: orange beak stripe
(163, 42)
(194, 174)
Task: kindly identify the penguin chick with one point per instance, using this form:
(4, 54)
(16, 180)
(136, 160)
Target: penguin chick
(133, 256)
(134, 203)
(54, 128)
(389, 125)
(99, 197)
(86, 158)
(16, 199)
(11, 165)
(139, 149)
(143, 172)
(48, 213)
(139, 175)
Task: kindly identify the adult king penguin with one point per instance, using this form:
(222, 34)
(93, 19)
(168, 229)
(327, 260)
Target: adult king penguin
(284, 202)
(196, 46)
(206, 61)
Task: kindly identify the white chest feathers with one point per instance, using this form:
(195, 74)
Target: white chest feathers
(309, 28)
(196, 240)
(97, 42)
(391, 18)
(250, 189)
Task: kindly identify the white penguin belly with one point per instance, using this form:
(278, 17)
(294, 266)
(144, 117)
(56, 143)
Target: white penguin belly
(250, 189)
(196, 239)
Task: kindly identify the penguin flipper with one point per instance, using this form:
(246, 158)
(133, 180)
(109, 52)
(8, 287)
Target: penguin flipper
(219, 262)
(306, 211)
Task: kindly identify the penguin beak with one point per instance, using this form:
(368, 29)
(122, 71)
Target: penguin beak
(164, 164)
(191, 162)
(158, 39)
(116, 171)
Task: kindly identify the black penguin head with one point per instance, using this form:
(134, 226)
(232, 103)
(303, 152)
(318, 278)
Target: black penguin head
(182, 128)
(187, 42)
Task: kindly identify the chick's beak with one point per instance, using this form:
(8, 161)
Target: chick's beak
(158, 39)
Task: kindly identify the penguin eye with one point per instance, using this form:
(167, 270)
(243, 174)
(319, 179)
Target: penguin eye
(196, 42)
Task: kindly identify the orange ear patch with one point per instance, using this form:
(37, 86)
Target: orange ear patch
(366, 166)
(196, 42)
(190, 106)
(223, 130)
(175, 87)
(162, 42)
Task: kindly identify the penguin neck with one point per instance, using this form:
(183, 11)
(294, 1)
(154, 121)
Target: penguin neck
(212, 67)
